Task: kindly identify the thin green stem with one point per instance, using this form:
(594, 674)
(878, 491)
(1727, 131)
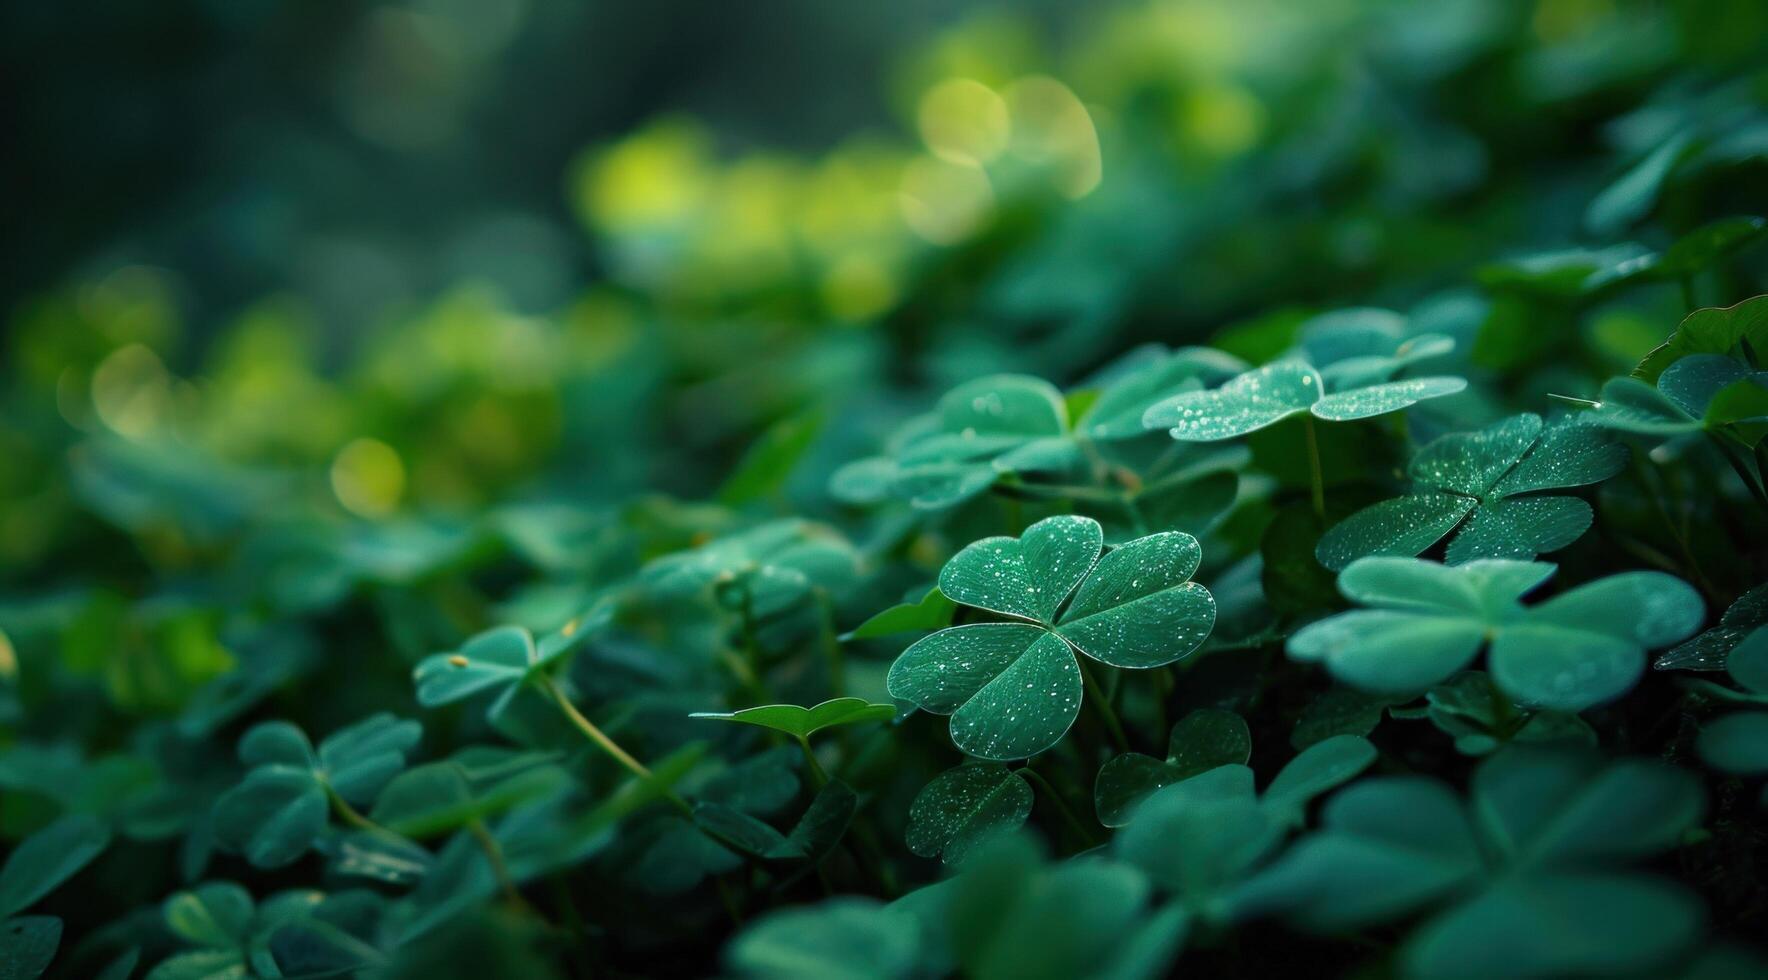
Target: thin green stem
(1102, 704)
(608, 745)
(499, 870)
(1061, 806)
(1688, 292)
(1318, 478)
(830, 643)
(817, 772)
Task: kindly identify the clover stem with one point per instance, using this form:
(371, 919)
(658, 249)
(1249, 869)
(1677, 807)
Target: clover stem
(831, 645)
(499, 870)
(1061, 805)
(817, 772)
(730, 901)
(353, 816)
(608, 745)
(1688, 292)
(1137, 521)
(1102, 704)
(1319, 480)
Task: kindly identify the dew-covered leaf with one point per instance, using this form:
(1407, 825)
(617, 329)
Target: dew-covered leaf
(964, 807)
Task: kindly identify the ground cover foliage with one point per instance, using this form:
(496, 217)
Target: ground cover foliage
(1335, 542)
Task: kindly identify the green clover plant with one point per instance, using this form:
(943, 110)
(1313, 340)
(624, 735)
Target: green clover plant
(1013, 688)
(965, 807)
(1489, 489)
(1427, 621)
(1523, 879)
(281, 808)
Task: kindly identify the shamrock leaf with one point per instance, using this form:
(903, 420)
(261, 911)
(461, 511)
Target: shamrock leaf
(1013, 689)
(443, 796)
(1272, 393)
(765, 570)
(1469, 709)
(285, 935)
(1485, 487)
(1201, 741)
(277, 812)
(964, 807)
(1576, 650)
(1199, 838)
(1523, 876)
(503, 659)
(945, 458)
(800, 722)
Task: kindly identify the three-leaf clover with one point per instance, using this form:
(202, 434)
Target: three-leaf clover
(1523, 875)
(1578, 649)
(236, 937)
(277, 812)
(504, 658)
(1014, 688)
(1270, 394)
(1489, 485)
(765, 570)
(1736, 742)
(966, 806)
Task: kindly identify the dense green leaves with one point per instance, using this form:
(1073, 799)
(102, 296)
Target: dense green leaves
(1486, 487)
(1539, 842)
(44, 860)
(277, 812)
(1014, 688)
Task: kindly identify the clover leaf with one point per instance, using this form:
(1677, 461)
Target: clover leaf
(1738, 645)
(1578, 649)
(28, 945)
(945, 458)
(501, 659)
(1201, 741)
(800, 722)
(1485, 486)
(765, 570)
(1272, 393)
(1522, 878)
(277, 812)
(964, 807)
(1014, 688)
(236, 937)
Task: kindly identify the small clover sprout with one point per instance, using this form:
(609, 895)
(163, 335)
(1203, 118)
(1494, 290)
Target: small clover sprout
(1014, 688)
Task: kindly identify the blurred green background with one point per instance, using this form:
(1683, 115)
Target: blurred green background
(347, 260)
